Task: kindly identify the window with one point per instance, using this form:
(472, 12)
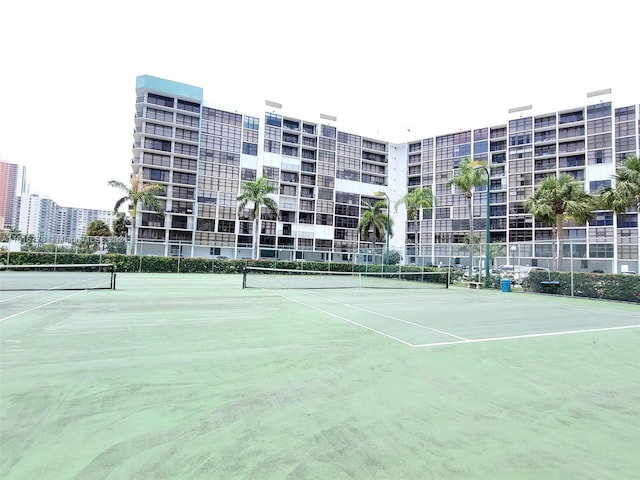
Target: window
(226, 226)
(162, 130)
(183, 134)
(628, 220)
(220, 116)
(159, 100)
(598, 111)
(596, 185)
(625, 114)
(601, 250)
(252, 123)
(548, 136)
(626, 144)
(602, 219)
(155, 144)
(599, 126)
(599, 141)
(188, 106)
(543, 122)
(187, 120)
(600, 156)
(185, 178)
(570, 117)
(625, 129)
(156, 175)
(521, 124)
(206, 224)
(250, 149)
(185, 149)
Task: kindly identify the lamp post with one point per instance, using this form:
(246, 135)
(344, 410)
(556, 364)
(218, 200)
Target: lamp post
(383, 194)
(487, 251)
(513, 255)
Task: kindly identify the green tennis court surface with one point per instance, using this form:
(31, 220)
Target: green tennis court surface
(178, 376)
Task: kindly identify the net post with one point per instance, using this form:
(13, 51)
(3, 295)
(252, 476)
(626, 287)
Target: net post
(244, 278)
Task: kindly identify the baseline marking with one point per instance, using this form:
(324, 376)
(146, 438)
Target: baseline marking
(404, 321)
(530, 335)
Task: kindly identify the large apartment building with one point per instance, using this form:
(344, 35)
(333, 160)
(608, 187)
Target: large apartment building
(12, 186)
(49, 222)
(325, 175)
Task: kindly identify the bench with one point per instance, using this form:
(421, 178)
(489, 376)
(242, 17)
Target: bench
(475, 284)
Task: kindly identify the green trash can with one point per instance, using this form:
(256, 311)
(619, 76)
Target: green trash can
(505, 284)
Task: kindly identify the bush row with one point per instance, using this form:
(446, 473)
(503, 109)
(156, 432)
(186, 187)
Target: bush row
(625, 288)
(148, 264)
(592, 285)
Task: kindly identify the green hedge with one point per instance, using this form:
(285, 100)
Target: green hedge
(591, 285)
(150, 264)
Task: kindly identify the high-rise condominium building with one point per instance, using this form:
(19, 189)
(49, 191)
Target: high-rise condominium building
(48, 222)
(12, 185)
(324, 177)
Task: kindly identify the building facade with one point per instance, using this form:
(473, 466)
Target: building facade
(48, 222)
(325, 176)
(12, 186)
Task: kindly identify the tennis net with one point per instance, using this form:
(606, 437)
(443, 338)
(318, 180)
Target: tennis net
(58, 277)
(273, 278)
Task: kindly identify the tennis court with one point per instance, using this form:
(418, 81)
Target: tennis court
(174, 376)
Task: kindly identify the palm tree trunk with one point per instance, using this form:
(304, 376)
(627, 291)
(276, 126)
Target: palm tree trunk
(417, 236)
(470, 235)
(256, 239)
(134, 229)
(560, 235)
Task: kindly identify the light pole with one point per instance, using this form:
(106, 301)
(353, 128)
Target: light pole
(513, 255)
(383, 194)
(487, 251)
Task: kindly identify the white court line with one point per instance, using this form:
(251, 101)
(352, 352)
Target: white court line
(41, 306)
(461, 340)
(388, 316)
(530, 335)
(341, 318)
(20, 296)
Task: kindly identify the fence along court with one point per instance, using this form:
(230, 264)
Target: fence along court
(274, 278)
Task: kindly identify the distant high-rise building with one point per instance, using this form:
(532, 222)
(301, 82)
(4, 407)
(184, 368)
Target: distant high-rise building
(12, 185)
(50, 223)
(324, 177)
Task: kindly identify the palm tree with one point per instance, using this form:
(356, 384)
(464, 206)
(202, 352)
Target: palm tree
(119, 225)
(467, 179)
(626, 193)
(415, 201)
(374, 221)
(138, 194)
(557, 198)
(257, 193)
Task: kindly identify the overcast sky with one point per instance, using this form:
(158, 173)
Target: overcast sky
(67, 82)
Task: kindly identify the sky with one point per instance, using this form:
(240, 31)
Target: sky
(393, 70)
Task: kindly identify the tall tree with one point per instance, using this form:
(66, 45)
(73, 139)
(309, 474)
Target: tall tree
(466, 180)
(97, 228)
(373, 221)
(138, 194)
(119, 225)
(256, 195)
(415, 201)
(626, 192)
(557, 199)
